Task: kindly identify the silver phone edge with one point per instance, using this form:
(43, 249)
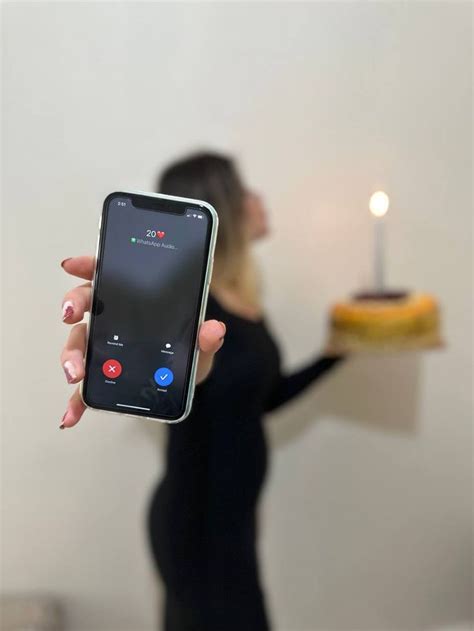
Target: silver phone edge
(202, 312)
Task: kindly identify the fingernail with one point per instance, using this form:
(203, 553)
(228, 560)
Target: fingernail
(68, 259)
(61, 425)
(68, 309)
(70, 371)
(224, 329)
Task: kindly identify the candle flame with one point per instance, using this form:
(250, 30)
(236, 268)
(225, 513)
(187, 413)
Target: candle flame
(379, 203)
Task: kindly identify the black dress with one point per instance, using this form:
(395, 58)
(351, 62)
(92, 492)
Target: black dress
(201, 518)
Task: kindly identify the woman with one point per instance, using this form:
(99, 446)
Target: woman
(201, 518)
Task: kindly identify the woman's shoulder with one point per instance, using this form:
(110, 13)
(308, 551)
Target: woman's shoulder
(214, 310)
(217, 310)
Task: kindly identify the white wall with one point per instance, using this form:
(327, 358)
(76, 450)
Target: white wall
(367, 515)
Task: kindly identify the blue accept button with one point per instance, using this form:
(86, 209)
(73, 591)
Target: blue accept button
(164, 376)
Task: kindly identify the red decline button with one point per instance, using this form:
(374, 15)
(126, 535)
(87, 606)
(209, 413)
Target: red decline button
(112, 368)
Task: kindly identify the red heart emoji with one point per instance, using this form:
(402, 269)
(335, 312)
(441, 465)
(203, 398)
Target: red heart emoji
(160, 234)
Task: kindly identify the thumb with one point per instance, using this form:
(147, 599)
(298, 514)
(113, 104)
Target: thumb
(211, 338)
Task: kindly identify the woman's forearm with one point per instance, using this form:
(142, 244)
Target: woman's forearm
(290, 386)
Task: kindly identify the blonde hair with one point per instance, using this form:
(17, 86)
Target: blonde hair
(214, 178)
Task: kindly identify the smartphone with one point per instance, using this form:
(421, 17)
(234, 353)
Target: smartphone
(149, 293)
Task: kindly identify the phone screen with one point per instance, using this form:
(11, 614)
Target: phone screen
(149, 286)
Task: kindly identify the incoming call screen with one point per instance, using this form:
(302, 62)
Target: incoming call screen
(144, 318)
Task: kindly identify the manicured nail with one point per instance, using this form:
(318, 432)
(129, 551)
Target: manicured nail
(68, 259)
(69, 371)
(224, 329)
(68, 309)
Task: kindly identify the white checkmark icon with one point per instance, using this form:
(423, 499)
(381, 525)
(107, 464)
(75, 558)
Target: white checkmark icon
(163, 376)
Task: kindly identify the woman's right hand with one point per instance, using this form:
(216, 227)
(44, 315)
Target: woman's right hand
(76, 302)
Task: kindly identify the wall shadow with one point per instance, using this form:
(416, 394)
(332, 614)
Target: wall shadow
(377, 392)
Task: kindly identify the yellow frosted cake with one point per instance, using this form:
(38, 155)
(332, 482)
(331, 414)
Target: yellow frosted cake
(391, 321)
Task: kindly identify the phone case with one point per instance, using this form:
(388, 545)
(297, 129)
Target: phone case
(202, 310)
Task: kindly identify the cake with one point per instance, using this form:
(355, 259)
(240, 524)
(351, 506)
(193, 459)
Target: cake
(381, 322)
